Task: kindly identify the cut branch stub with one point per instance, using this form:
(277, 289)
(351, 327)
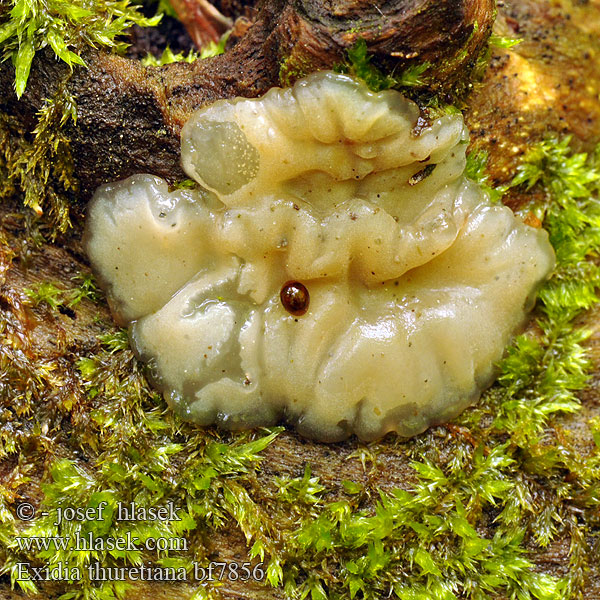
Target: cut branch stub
(129, 117)
(449, 34)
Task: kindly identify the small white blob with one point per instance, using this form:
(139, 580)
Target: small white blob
(336, 269)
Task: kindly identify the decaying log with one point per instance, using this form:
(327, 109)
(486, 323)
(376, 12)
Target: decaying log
(129, 117)
(548, 83)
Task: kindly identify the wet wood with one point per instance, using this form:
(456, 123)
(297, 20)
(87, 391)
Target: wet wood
(129, 119)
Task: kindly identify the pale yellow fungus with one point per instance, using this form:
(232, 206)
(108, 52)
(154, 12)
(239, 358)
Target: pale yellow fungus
(337, 268)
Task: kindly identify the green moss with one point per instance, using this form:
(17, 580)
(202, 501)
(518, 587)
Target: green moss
(292, 68)
(437, 88)
(543, 372)
(27, 26)
(419, 543)
(359, 65)
(138, 451)
(476, 170)
(185, 184)
(144, 475)
(215, 48)
(500, 41)
(303, 490)
(47, 293)
(501, 482)
(40, 167)
(168, 57)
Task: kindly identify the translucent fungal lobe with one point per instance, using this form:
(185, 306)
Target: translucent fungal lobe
(335, 268)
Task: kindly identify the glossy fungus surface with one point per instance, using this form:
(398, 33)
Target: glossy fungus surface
(336, 268)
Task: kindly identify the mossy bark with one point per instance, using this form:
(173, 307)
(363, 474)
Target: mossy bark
(550, 82)
(129, 117)
(128, 122)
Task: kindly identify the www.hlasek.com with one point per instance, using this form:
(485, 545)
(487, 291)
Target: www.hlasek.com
(127, 541)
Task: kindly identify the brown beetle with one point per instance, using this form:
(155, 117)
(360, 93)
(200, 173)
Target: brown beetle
(294, 297)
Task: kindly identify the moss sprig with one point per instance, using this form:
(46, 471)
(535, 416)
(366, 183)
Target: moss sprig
(27, 26)
(359, 65)
(168, 57)
(50, 295)
(476, 170)
(41, 166)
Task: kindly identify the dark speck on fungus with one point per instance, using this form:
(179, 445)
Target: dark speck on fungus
(294, 297)
(422, 174)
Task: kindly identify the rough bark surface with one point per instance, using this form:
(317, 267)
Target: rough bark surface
(129, 119)
(550, 82)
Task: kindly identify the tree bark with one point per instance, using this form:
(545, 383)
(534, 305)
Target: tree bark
(129, 121)
(129, 117)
